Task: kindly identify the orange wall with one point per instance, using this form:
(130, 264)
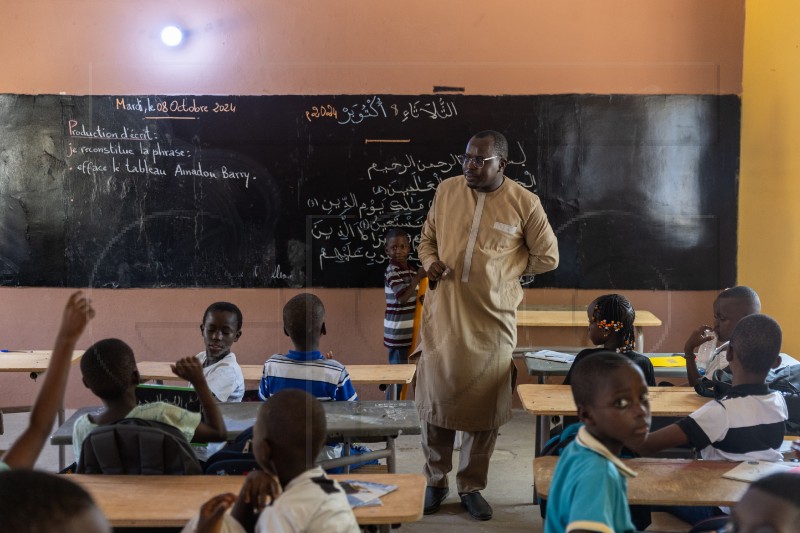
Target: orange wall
(355, 46)
(769, 221)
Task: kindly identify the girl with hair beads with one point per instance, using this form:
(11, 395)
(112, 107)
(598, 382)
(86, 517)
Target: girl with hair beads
(611, 327)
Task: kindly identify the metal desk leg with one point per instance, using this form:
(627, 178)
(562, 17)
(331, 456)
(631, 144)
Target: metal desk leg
(346, 453)
(390, 461)
(541, 437)
(640, 339)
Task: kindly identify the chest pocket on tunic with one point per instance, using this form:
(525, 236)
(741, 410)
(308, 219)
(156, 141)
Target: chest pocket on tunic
(501, 237)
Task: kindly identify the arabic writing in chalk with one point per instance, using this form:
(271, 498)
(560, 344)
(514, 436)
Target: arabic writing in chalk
(350, 226)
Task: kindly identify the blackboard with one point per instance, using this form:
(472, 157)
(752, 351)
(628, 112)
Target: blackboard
(297, 191)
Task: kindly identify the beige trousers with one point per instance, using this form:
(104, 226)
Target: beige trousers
(473, 462)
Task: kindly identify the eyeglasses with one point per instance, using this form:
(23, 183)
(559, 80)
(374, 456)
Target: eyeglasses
(478, 161)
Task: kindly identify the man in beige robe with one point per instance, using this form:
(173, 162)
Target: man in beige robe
(482, 233)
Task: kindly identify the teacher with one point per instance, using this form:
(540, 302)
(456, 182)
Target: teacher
(483, 232)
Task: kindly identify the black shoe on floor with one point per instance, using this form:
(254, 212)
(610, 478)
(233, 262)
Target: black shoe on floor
(477, 507)
(434, 496)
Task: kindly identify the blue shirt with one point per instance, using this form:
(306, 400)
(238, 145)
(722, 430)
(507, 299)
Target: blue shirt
(589, 490)
(325, 379)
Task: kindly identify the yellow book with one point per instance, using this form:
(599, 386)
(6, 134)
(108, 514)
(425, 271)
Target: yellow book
(668, 361)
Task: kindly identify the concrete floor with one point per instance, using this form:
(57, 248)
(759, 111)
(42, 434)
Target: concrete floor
(509, 491)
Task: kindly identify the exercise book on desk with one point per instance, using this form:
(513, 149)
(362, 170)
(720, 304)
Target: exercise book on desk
(755, 470)
(365, 493)
(668, 361)
(550, 355)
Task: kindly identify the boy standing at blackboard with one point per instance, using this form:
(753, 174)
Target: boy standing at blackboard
(400, 285)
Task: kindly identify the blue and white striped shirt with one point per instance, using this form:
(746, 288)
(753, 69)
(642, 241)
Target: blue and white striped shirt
(325, 379)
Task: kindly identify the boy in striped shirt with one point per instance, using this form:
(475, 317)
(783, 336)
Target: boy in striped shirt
(400, 285)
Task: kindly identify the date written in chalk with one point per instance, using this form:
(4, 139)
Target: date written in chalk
(177, 105)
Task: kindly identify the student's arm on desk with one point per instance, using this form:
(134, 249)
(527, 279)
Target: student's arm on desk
(668, 437)
(213, 430)
(25, 450)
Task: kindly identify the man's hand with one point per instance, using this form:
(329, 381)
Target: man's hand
(212, 511)
(438, 270)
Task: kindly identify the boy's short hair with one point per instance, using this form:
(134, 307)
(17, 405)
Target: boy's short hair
(225, 307)
(783, 485)
(303, 316)
(756, 342)
(32, 501)
(591, 374)
(107, 366)
(397, 232)
(294, 421)
(743, 293)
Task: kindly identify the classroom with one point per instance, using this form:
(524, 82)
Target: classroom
(661, 64)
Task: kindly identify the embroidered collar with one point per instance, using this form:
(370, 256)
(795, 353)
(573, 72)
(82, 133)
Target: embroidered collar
(586, 440)
(304, 356)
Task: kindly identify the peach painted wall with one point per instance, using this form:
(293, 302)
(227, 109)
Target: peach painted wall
(348, 46)
(769, 221)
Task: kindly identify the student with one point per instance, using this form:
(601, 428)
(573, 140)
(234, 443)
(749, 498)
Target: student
(770, 505)
(290, 494)
(35, 502)
(748, 422)
(221, 327)
(305, 367)
(400, 283)
(26, 449)
(109, 371)
(731, 305)
(611, 320)
(589, 488)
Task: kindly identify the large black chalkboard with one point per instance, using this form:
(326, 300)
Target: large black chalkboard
(276, 191)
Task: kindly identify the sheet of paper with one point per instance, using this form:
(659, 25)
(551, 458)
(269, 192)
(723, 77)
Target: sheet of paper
(550, 355)
(753, 470)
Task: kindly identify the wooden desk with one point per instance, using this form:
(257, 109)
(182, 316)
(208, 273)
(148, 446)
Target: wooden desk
(33, 362)
(545, 401)
(565, 316)
(347, 422)
(171, 501)
(665, 481)
(359, 374)
(544, 368)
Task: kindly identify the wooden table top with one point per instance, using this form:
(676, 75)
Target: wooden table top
(171, 501)
(359, 374)
(30, 360)
(665, 481)
(572, 317)
(542, 399)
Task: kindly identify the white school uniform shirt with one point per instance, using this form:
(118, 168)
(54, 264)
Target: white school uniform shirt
(310, 503)
(226, 382)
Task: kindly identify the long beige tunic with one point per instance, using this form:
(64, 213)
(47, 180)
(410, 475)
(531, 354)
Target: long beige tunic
(468, 329)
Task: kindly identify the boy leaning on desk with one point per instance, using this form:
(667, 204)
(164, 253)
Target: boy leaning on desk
(289, 493)
(748, 423)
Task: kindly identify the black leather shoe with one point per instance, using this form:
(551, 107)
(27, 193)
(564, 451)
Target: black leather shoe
(434, 496)
(477, 507)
